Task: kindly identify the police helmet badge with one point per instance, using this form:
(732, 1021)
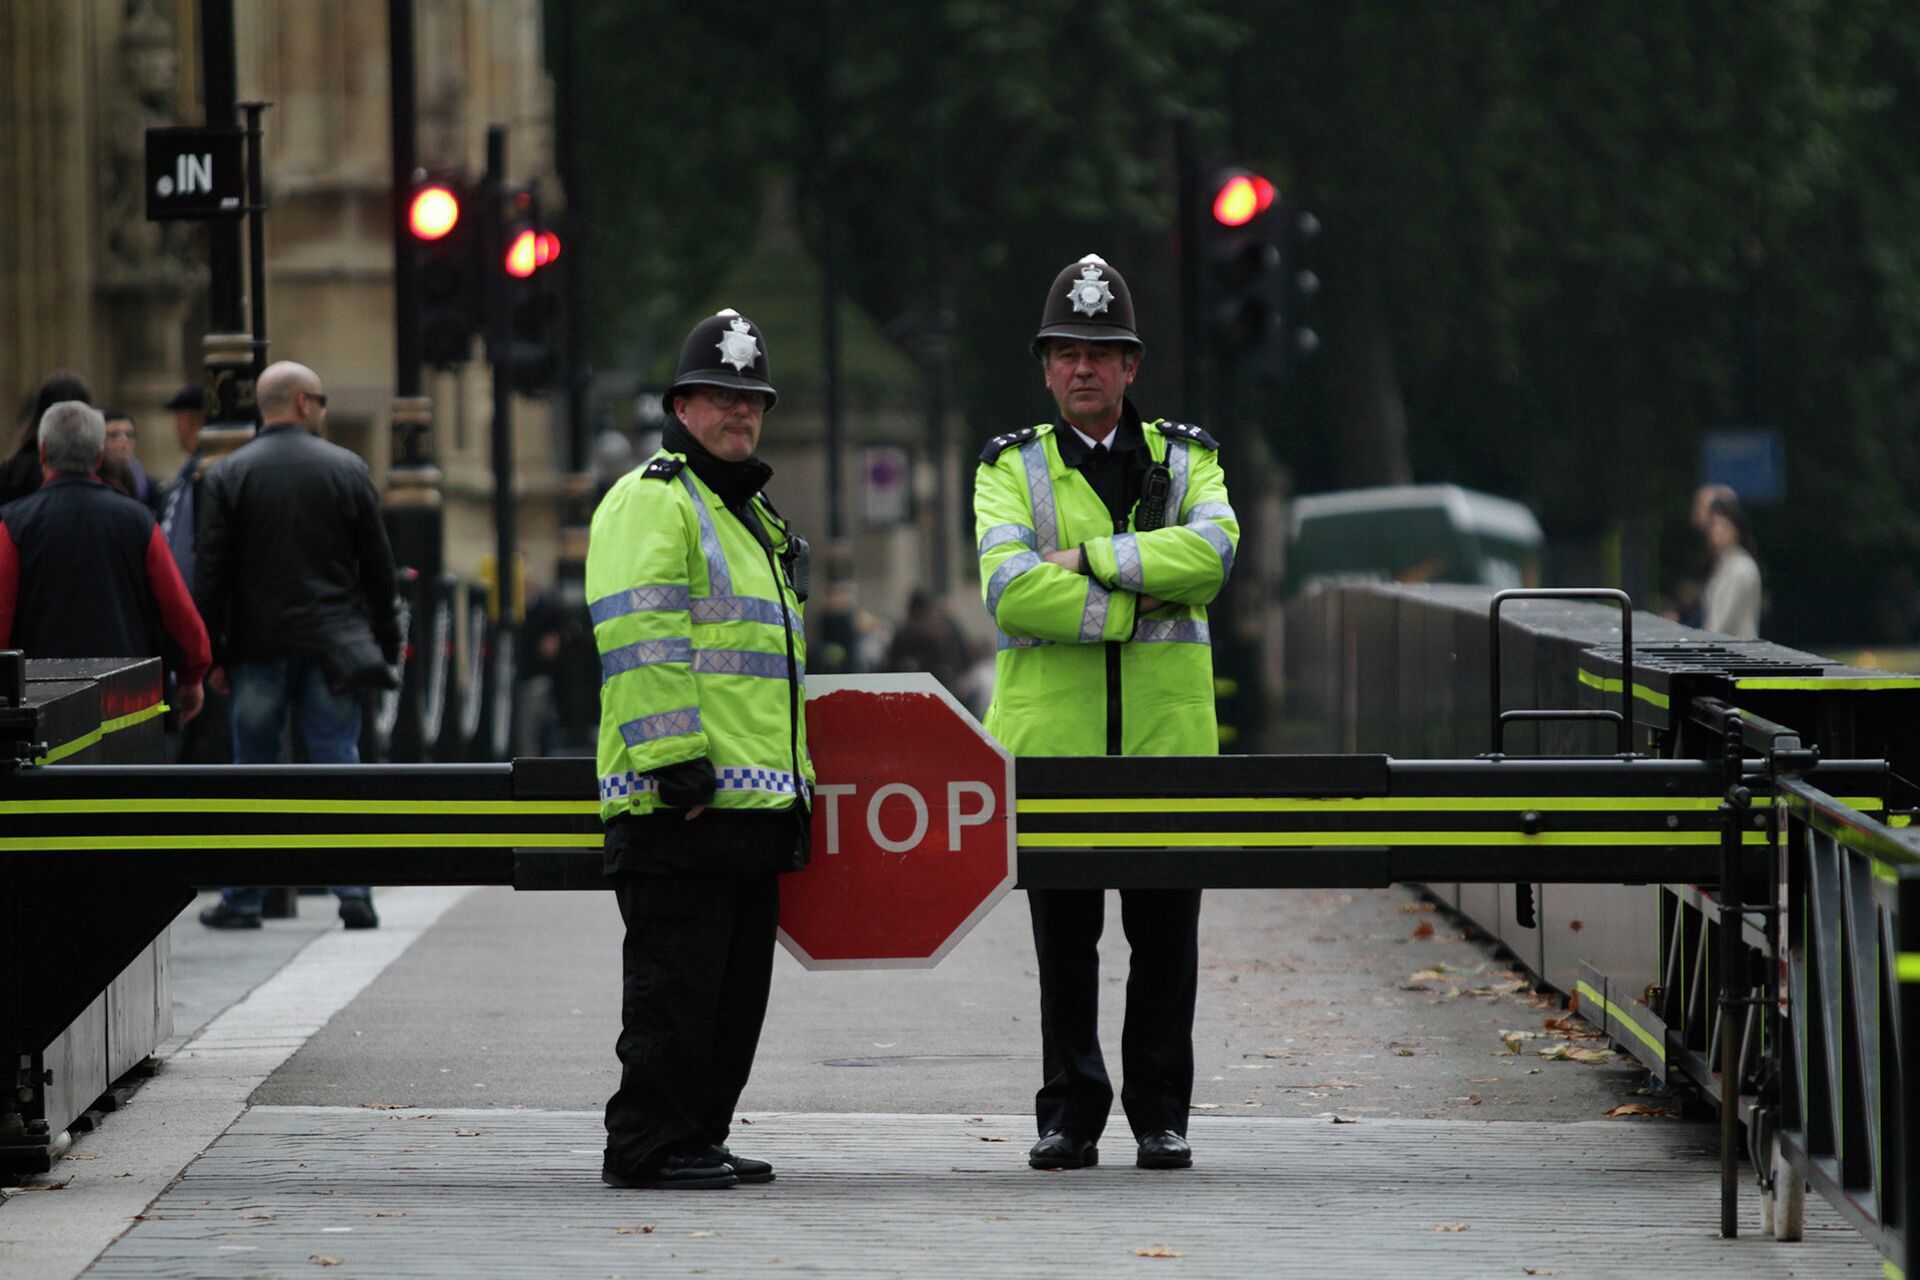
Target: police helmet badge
(1090, 293)
(738, 346)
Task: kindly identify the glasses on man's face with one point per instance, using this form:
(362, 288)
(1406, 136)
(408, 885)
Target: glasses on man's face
(727, 397)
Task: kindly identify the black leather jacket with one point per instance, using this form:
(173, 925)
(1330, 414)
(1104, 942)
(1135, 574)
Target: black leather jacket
(292, 556)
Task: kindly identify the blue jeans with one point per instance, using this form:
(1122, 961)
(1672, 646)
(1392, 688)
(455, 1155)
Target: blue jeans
(263, 692)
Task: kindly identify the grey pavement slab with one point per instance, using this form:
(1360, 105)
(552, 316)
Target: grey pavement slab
(304, 1191)
(1309, 1002)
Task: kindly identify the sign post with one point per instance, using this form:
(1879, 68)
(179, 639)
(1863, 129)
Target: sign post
(913, 832)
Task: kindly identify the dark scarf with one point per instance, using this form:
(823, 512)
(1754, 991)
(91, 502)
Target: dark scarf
(735, 482)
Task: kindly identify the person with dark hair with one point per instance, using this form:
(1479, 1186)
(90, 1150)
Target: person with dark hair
(122, 469)
(84, 572)
(1730, 602)
(20, 473)
(931, 641)
(189, 408)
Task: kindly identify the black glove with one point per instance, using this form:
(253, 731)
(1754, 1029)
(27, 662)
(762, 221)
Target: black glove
(686, 785)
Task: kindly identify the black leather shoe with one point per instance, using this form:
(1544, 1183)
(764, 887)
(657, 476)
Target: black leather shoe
(357, 913)
(1058, 1149)
(1164, 1150)
(222, 916)
(745, 1168)
(676, 1173)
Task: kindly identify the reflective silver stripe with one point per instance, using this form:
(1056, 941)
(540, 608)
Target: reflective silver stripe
(1126, 555)
(1093, 615)
(742, 609)
(1021, 642)
(1172, 631)
(667, 724)
(645, 653)
(1221, 543)
(751, 778)
(1046, 526)
(1010, 568)
(719, 582)
(637, 600)
(1178, 463)
(742, 662)
(1004, 533)
(626, 785)
(1211, 511)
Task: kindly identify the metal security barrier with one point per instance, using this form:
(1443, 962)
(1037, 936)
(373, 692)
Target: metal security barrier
(1719, 812)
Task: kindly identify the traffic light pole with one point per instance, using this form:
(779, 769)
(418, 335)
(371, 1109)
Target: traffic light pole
(499, 346)
(406, 289)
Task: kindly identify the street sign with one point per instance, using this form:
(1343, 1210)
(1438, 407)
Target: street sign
(885, 486)
(1752, 461)
(913, 836)
(195, 173)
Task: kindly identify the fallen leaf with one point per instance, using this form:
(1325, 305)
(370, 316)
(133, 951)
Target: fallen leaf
(1540, 1271)
(1428, 975)
(991, 1137)
(256, 1215)
(466, 1133)
(1564, 1052)
(695, 1235)
(1415, 986)
(1424, 931)
(386, 1106)
(1449, 1226)
(644, 1229)
(1637, 1109)
(976, 1119)
(1340, 1119)
(80, 1157)
(995, 1217)
(744, 1120)
(1573, 1027)
(1157, 1251)
(1206, 1106)
(1405, 1053)
(1411, 907)
(1483, 1079)
(324, 1259)
(50, 1186)
(393, 1213)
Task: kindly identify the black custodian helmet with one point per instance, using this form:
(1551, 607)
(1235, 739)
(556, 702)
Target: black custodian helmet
(724, 350)
(1089, 301)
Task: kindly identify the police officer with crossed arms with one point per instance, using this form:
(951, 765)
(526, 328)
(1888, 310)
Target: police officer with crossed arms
(695, 586)
(1103, 537)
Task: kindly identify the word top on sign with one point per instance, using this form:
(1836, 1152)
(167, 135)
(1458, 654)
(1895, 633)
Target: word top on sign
(913, 832)
(195, 173)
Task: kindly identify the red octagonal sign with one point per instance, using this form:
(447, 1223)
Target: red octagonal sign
(913, 838)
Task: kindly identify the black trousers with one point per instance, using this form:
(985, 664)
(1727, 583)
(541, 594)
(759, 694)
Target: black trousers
(1156, 1044)
(696, 965)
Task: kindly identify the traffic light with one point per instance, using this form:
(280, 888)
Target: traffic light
(1244, 281)
(1297, 259)
(440, 220)
(532, 362)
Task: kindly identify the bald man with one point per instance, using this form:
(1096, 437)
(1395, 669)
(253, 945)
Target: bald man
(294, 576)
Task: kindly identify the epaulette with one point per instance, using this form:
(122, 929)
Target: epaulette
(1187, 431)
(664, 467)
(1001, 443)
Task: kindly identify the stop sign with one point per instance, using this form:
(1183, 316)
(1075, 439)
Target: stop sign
(913, 838)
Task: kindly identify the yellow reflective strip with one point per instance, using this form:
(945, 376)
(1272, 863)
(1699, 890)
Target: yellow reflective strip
(1619, 1015)
(241, 840)
(1381, 804)
(1314, 839)
(1900, 820)
(1882, 871)
(92, 736)
(1907, 966)
(391, 808)
(1820, 683)
(1608, 684)
(1891, 1272)
(1866, 804)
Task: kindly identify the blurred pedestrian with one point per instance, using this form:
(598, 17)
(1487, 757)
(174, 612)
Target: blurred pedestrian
(20, 473)
(1102, 540)
(930, 640)
(122, 469)
(189, 408)
(295, 578)
(84, 572)
(694, 584)
(1730, 602)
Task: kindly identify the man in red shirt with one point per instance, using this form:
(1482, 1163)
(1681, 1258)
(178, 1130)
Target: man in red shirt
(85, 571)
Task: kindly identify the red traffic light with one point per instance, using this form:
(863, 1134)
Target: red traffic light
(434, 213)
(1242, 198)
(530, 251)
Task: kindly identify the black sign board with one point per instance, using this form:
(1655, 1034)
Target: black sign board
(195, 173)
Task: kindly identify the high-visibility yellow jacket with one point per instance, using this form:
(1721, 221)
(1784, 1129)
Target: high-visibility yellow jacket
(702, 651)
(1080, 671)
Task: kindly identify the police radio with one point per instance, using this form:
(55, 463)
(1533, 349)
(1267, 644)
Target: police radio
(1151, 513)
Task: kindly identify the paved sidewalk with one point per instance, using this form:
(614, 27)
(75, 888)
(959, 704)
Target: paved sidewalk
(339, 1191)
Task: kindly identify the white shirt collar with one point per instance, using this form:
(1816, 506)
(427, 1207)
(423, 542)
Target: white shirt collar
(1106, 439)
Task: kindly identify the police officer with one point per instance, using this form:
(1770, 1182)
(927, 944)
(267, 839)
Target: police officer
(1102, 539)
(695, 585)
